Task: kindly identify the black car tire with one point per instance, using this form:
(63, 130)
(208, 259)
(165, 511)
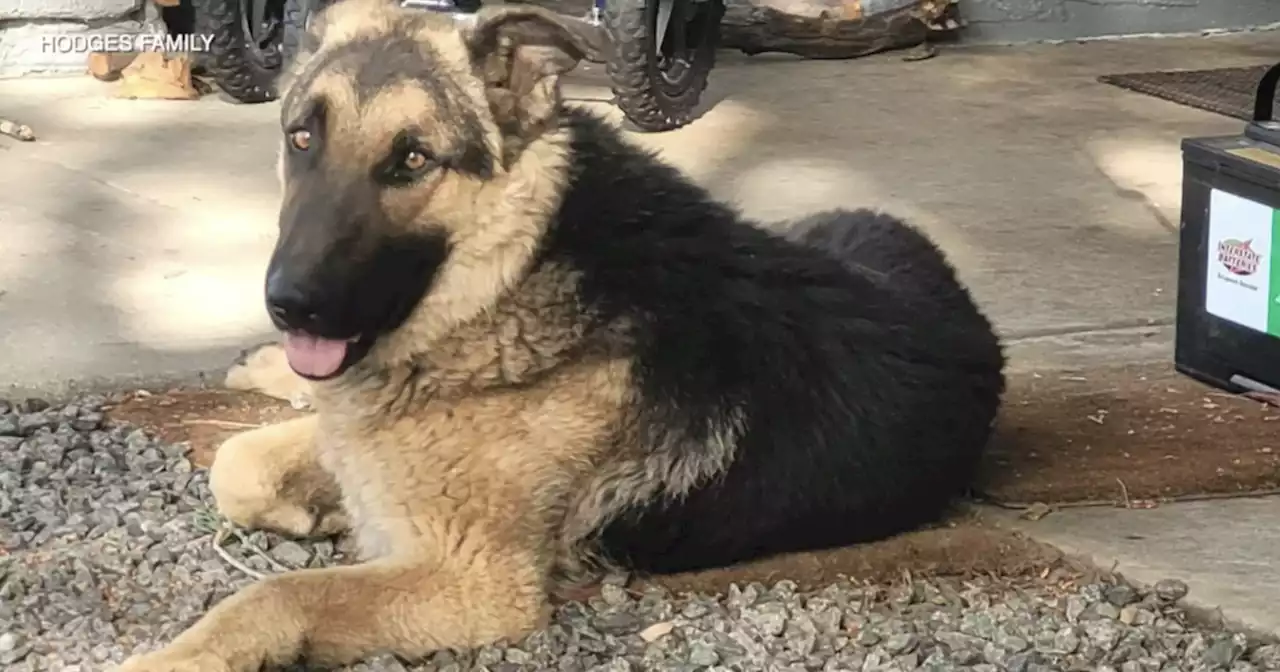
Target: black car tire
(649, 98)
(295, 24)
(244, 72)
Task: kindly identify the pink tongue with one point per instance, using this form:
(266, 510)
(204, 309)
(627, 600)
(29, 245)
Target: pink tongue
(312, 356)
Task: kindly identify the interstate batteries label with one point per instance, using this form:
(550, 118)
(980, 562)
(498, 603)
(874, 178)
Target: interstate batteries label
(1242, 282)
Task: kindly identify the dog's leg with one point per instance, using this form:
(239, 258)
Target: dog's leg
(338, 615)
(269, 478)
(265, 370)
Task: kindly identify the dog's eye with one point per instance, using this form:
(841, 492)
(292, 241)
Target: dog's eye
(414, 161)
(406, 163)
(300, 139)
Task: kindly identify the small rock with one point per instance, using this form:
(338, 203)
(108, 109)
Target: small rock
(13, 648)
(1019, 662)
(1012, 643)
(800, 635)
(867, 638)
(694, 610)
(87, 422)
(979, 624)
(1129, 614)
(657, 631)
(741, 598)
(291, 554)
(10, 641)
(615, 665)
(618, 623)
(1104, 634)
(1170, 590)
(159, 554)
(614, 595)
(1076, 606)
(769, 618)
(1065, 641)
(1267, 656)
(1122, 595)
(899, 644)
(958, 641)
(1224, 651)
(30, 423)
(703, 655)
(33, 405)
(1106, 610)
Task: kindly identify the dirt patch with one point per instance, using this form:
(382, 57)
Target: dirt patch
(202, 417)
(1126, 434)
(964, 546)
(1121, 435)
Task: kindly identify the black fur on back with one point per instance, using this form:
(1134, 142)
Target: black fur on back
(868, 380)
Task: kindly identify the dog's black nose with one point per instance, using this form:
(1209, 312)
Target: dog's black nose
(291, 305)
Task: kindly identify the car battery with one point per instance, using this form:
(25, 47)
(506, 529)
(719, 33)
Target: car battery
(1227, 332)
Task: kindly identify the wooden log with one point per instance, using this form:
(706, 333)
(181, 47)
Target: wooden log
(107, 66)
(833, 29)
(157, 75)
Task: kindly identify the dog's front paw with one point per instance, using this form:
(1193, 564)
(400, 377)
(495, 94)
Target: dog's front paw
(268, 478)
(175, 660)
(265, 370)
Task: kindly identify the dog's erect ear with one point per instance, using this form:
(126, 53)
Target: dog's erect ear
(520, 51)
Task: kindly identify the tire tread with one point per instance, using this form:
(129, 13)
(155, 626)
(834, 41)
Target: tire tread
(229, 61)
(628, 68)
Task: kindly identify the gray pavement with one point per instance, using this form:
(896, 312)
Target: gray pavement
(133, 234)
(1224, 550)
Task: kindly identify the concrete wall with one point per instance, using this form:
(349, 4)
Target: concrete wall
(1034, 20)
(28, 26)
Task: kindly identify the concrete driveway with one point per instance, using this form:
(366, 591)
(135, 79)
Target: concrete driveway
(133, 234)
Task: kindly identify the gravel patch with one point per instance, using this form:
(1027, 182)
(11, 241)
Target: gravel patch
(107, 545)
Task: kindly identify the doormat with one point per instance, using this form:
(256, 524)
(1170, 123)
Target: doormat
(1128, 436)
(1226, 91)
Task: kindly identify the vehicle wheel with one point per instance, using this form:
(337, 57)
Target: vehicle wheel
(244, 57)
(658, 86)
(295, 23)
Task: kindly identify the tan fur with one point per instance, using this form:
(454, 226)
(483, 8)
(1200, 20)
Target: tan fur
(270, 478)
(490, 254)
(456, 505)
(471, 449)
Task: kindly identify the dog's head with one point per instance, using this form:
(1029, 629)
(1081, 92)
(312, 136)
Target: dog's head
(420, 162)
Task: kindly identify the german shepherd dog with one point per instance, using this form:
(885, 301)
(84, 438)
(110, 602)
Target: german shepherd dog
(537, 353)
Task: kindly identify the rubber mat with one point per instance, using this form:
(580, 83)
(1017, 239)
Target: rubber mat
(1226, 91)
(1126, 435)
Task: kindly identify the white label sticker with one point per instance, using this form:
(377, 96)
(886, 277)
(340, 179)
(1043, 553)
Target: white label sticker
(1238, 278)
